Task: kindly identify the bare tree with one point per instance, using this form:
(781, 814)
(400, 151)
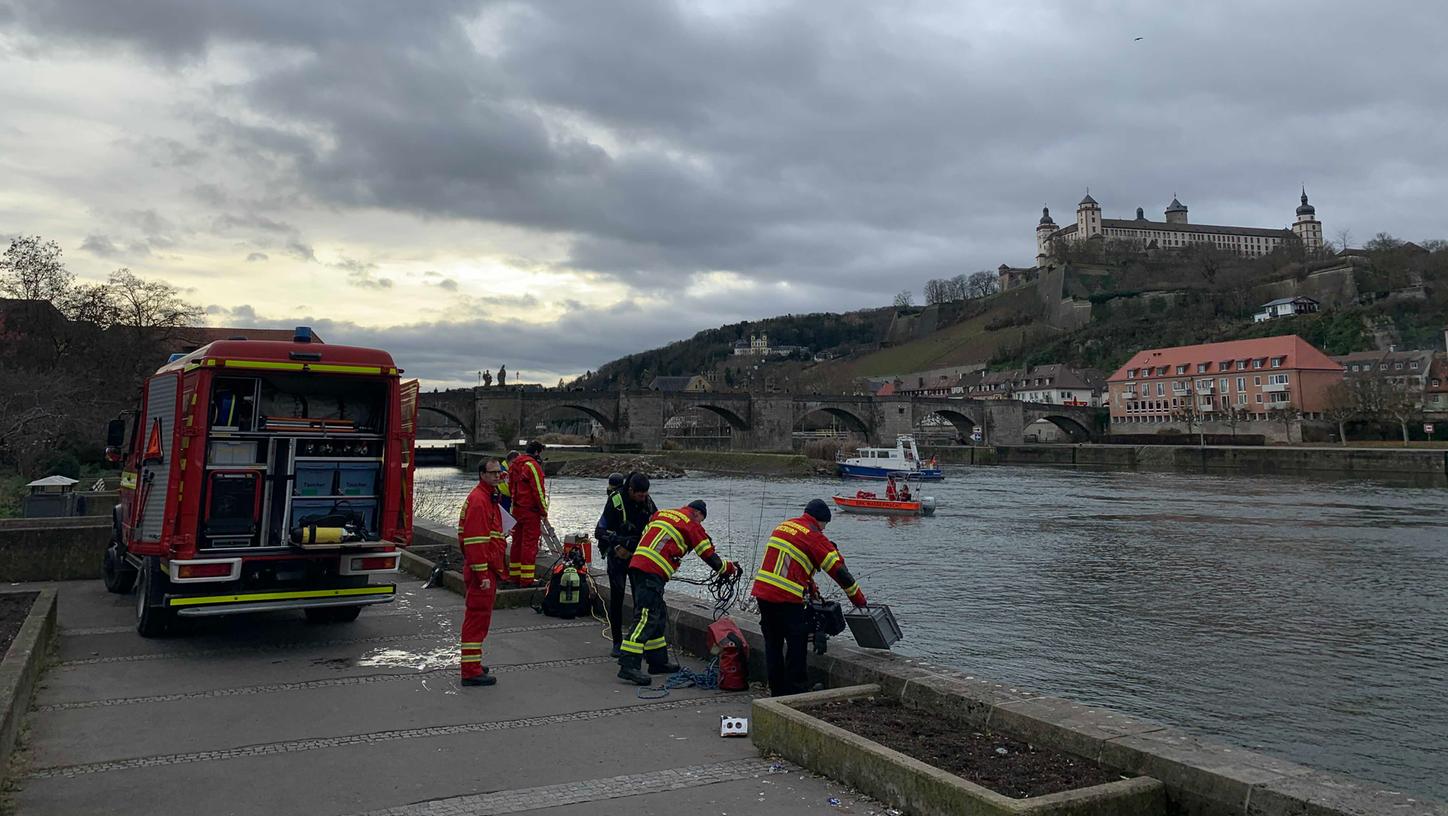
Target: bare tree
(1189, 414)
(1341, 407)
(153, 306)
(1287, 413)
(1344, 238)
(1402, 406)
(32, 270)
(982, 284)
(960, 287)
(1234, 416)
(904, 299)
(937, 291)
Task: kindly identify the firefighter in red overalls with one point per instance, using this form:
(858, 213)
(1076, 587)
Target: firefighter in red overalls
(530, 507)
(669, 536)
(480, 536)
(797, 549)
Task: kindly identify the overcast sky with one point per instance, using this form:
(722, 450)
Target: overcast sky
(554, 184)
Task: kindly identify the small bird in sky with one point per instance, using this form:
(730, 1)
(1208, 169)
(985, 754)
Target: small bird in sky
(1138, 39)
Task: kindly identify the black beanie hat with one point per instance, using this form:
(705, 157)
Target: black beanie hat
(615, 479)
(818, 510)
(638, 481)
(698, 504)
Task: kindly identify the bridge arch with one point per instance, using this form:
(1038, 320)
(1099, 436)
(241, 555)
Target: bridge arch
(853, 421)
(601, 418)
(466, 427)
(735, 421)
(963, 424)
(1070, 426)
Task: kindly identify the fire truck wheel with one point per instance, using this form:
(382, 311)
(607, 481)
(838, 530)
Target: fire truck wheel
(119, 575)
(152, 619)
(333, 614)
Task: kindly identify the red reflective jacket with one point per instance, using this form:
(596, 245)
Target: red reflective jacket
(669, 536)
(480, 536)
(527, 487)
(797, 549)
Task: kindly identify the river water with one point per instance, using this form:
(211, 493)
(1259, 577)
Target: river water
(1305, 618)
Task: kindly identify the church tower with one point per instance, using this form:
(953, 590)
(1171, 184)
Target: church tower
(1043, 237)
(1307, 227)
(1088, 217)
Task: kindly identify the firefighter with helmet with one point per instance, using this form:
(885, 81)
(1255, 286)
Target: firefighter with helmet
(669, 536)
(530, 508)
(480, 537)
(797, 549)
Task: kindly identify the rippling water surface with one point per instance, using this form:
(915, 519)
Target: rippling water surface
(1303, 618)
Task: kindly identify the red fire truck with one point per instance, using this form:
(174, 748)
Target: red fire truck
(263, 475)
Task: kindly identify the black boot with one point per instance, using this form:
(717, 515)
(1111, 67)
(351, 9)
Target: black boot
(663, 668)
(628, 669)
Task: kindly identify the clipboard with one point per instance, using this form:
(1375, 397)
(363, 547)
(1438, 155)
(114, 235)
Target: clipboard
(508, 521)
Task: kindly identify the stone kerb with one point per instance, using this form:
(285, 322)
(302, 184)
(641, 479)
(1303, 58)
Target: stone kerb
(430, 534)
(20, 669)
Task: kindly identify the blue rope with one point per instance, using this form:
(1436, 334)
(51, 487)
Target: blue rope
(684, 678)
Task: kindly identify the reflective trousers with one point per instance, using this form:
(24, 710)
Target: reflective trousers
(523, 552)
(477, 617)
(645, 639)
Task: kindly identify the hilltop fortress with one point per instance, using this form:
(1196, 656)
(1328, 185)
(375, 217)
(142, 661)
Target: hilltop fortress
(1175, 230)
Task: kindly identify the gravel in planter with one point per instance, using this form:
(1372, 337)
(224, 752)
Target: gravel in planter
(1007, 766)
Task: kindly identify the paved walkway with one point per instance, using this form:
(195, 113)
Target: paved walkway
(272, 715)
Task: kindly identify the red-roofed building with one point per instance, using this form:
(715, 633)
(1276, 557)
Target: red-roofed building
(1251, 377)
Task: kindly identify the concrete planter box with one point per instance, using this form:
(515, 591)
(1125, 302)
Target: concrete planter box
(20, 669)
(779, 727)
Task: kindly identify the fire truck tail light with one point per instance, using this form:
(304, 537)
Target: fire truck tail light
(194, 572)
(376, 562)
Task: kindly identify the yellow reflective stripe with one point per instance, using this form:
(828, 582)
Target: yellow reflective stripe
(783, 583)
(538, 483)
(476, 539)
(830, 560)
(478, 567)
(324, 368)
(282, 596)
(793, 552)
(657, 558)
(656, 643)
(702, 545)
(471, 659)
(852, 588)
(472, 645)
(669, 529)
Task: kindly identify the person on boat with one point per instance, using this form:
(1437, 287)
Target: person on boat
(797, 549)
(890, 492)
(905, 491)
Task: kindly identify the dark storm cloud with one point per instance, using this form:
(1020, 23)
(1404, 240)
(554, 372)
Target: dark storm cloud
(256, 257)
(452, 352)
(859, 146)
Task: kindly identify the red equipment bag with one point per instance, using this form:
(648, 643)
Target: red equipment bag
(726, 641)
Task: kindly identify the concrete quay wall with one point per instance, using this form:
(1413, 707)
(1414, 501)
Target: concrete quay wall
(1364, 462)
(53, 549)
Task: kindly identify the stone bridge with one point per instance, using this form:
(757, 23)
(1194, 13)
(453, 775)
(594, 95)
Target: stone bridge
(761, 422)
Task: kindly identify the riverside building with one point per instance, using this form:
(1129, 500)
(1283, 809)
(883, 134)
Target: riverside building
(1241, 381)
